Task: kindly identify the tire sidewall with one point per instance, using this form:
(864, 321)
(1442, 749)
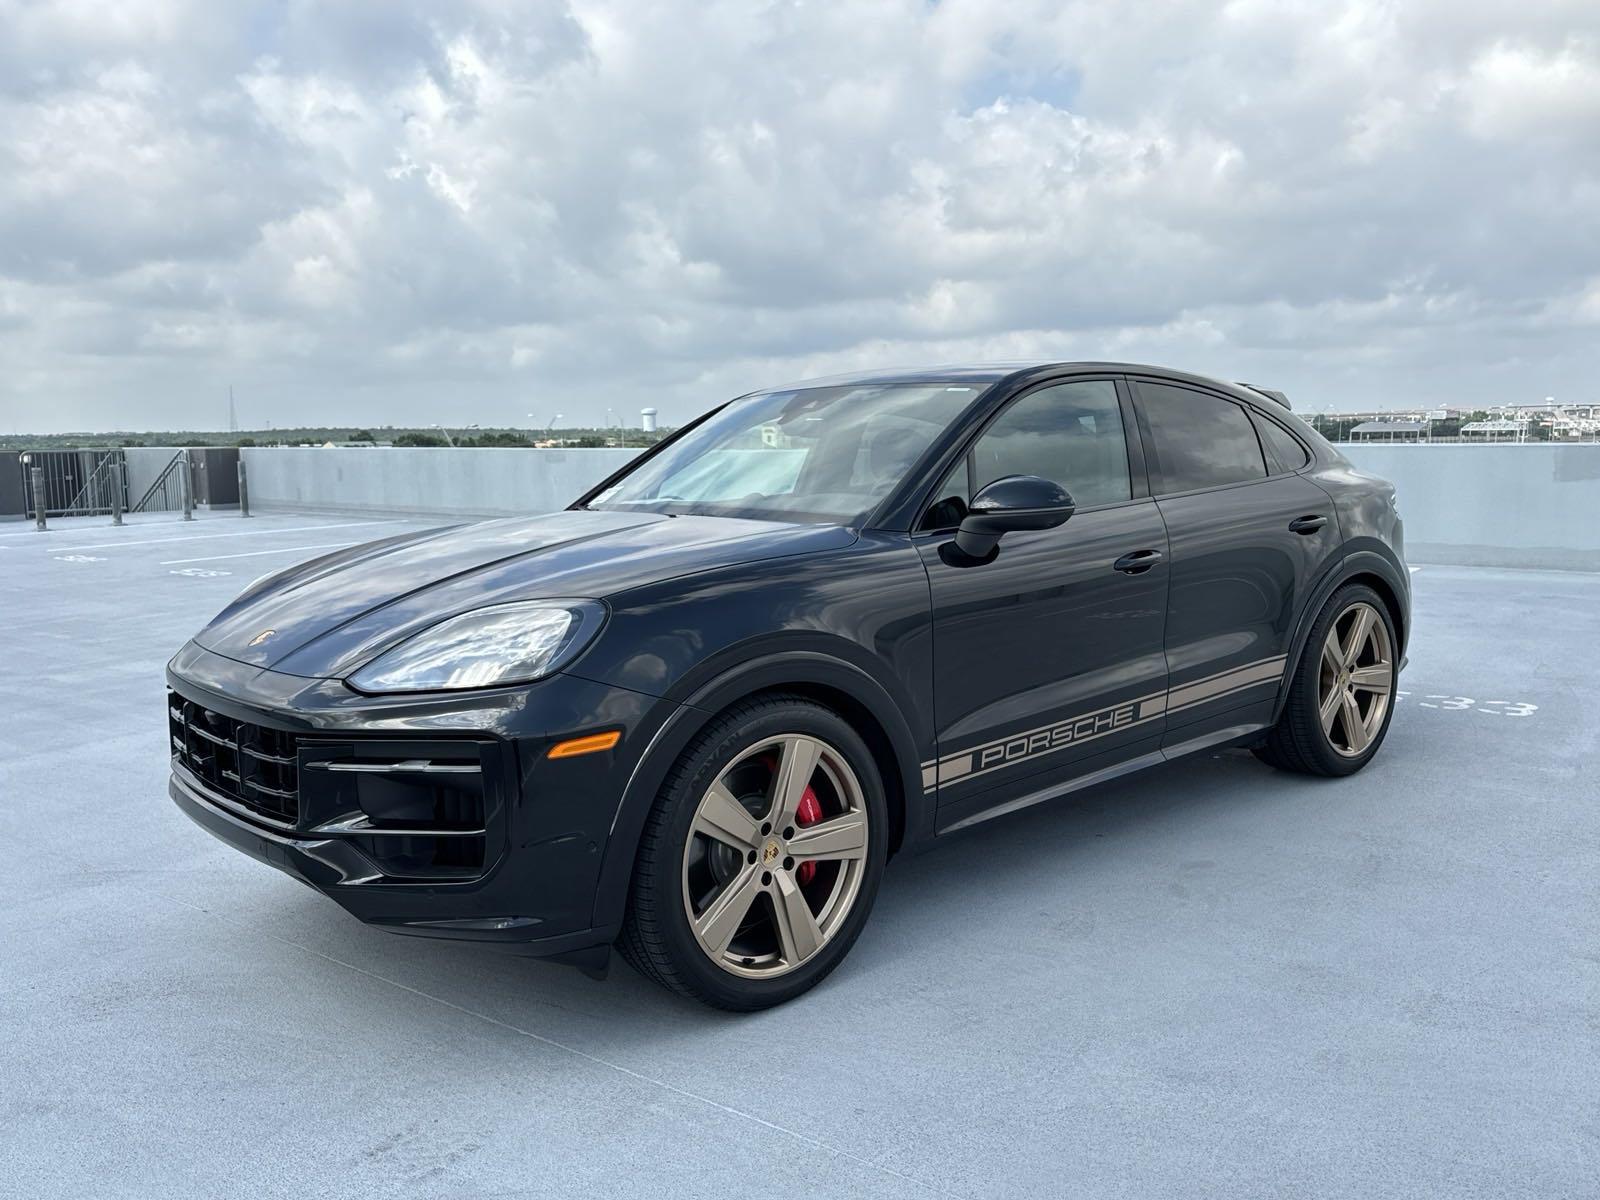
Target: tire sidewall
(703, 763)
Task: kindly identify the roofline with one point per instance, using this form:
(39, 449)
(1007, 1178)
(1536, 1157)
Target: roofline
(990, 373)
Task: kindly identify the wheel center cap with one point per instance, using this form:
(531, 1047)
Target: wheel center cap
(769, 854)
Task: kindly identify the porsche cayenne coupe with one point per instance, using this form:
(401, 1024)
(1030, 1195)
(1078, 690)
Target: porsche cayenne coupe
(694, 715)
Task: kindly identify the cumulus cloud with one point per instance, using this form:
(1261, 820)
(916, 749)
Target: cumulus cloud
(411, 212)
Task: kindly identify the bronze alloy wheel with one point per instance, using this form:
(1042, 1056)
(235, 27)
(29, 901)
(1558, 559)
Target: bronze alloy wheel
(1355, 679)
(775, 856)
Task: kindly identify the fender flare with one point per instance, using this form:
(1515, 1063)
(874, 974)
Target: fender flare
(786, 669)
(1353, 564)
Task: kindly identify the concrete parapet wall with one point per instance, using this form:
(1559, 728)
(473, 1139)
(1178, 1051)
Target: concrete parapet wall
(489, 482)
(1533, 505)
(1506, 505)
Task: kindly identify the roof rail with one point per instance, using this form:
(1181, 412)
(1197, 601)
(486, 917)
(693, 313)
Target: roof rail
(1269, 393)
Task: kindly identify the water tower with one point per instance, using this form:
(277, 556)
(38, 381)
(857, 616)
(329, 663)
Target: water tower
(647, 420)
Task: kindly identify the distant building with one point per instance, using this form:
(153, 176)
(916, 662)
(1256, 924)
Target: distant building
(1567, 425)
(1390, 431)
(1500, 429)
(647, 420)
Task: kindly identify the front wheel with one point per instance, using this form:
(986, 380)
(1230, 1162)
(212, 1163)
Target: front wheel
(761, 858)
(1342, 696)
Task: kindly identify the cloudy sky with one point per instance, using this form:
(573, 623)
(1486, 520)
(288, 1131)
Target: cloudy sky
(387, 211)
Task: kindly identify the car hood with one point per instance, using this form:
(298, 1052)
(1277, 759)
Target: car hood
(325, 617)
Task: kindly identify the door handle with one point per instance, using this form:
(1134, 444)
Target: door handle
(1138, 562)
(1307, 524)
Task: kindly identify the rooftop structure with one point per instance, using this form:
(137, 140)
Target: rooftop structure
(1391, 430)
(1123, 981)
(1498, 428)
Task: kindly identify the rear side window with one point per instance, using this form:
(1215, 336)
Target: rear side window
(1198, 440)
(1284, 451)
(1070, 434)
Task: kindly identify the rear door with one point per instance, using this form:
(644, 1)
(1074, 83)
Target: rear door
(1249, 539)
(1048, 658)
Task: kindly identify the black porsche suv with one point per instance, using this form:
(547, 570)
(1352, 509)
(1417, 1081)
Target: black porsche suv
(694, 715)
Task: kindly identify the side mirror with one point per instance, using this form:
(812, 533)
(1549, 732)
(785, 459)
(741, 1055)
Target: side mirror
(1014, 502)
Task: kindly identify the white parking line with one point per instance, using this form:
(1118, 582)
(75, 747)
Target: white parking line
(22, 531)
(204, 536)
(172, 562)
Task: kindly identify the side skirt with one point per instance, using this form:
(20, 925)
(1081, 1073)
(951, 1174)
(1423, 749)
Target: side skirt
(1125, 767)
(1232, 735)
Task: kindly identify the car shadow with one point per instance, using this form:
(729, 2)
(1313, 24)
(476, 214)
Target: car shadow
(1018, 862)
(1013, 864)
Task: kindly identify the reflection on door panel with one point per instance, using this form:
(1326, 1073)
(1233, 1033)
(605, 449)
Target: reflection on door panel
(1048, 654)
(1240, 576)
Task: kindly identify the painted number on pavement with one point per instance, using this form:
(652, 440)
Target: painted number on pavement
(1494, 708)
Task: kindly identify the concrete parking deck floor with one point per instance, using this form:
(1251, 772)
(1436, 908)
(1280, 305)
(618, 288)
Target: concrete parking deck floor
(1214, 980)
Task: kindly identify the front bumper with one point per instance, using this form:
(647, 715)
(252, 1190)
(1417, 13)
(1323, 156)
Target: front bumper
(539, 833)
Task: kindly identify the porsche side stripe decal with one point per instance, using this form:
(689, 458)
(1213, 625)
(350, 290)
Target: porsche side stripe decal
(1190, 694)
(1074, 731)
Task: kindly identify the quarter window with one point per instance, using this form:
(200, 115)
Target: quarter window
(1070, 434)
(1198, 440)
(1284, 448)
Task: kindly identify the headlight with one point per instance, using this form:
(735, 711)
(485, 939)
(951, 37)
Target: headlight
(509, 643)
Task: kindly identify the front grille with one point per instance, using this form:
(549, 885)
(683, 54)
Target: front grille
(250, 765)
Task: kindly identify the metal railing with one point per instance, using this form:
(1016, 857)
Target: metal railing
(104, 492)
(72, 482)
(173, 489)
(82, 483)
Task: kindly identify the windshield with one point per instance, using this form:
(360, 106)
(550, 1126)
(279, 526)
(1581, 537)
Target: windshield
(810, 454)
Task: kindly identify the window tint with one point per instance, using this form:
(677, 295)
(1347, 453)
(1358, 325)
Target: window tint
(1198, 440)
(1289, 454)
(1070, 434)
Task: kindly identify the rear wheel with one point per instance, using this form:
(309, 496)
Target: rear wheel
(761, 858)
(1342, 695)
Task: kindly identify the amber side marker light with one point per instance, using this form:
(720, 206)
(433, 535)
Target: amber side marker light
(573, 747)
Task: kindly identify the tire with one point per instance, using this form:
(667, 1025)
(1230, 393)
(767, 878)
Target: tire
(703, 855)
(1304, 741)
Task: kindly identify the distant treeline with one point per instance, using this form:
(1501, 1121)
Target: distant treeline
(318, 435)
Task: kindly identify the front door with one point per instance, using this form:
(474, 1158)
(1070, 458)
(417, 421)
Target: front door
(1048, 659)
(1249, 540)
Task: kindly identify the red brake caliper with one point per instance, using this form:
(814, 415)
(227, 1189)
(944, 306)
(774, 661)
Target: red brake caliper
(808, 813)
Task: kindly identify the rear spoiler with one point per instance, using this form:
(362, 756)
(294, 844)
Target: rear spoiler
(1269, 394)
